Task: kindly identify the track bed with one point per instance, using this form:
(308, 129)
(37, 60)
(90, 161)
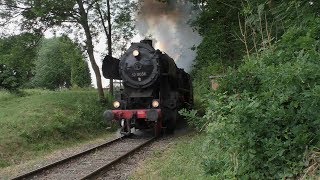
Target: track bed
(91, 162)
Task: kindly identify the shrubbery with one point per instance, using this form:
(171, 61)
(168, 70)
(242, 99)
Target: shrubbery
(9, 78)
(265, 117)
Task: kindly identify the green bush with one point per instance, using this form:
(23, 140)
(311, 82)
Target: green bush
(9, 78)
(265, 117)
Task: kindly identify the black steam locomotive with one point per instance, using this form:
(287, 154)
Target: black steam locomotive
(154, 89)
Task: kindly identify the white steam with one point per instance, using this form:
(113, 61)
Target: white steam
(167, 24)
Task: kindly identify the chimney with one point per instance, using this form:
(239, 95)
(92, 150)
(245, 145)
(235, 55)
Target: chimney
(147, 41)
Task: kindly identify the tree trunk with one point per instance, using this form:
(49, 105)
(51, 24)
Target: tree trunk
(89, 45)
(109, 41)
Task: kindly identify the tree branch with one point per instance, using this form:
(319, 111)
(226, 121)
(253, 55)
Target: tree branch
(244, 35)
(9, 19)
(229, 5)
(14, 6)
(91, 5)
(102, 20)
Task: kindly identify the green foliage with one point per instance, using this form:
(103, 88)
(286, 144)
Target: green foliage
(42, 121)
(123, 28)
(296, 12)
(45, 13)
(80, 73)
(220, 47)
(201, 82)
(182, 159)
(52, 69)
(233, 29)
(263, 119)
(60, 64)
(265, 116)
(17, 55)
(9, 78)
(86, 117)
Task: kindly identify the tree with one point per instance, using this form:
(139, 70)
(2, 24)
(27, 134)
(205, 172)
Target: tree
(9, 78)
(80, 74)
(218, 24)
(124, 29)
(107, 32)
(72, 15)
(72, 55)
(60, 64)
(52, 69)
(18, 53)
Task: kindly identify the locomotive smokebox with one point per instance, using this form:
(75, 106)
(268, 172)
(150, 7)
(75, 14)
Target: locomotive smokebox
(139, 66)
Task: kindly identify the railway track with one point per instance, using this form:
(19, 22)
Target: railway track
(90, 163)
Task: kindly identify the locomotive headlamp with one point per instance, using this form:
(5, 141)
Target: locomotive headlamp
(135, 53)
(155, 103)
(116, 104)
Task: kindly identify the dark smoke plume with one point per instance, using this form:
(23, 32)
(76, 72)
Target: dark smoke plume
(167, 23)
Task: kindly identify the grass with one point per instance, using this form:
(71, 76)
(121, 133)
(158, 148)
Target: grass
(41, 121)
(182, 161)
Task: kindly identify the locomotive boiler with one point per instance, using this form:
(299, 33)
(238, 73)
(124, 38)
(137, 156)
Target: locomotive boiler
(154, 89)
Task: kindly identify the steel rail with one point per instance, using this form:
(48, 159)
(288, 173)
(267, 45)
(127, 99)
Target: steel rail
(59, 162)
(95, 173)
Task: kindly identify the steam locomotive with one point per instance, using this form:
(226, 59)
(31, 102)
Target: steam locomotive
(154, 89)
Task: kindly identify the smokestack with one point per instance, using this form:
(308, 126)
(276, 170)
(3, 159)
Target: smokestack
(167, 24)
(147, 41)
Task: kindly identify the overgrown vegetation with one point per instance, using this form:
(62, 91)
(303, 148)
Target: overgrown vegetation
(263, 120)
(59, 64)
(42, 121)
(17, 55)
(182, 161)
